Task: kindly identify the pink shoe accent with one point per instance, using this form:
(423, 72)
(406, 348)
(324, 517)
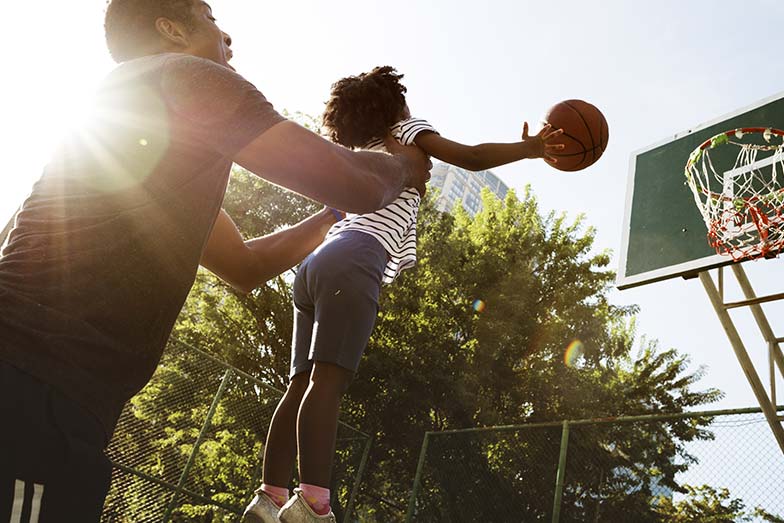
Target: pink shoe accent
(317, 497)
(278, 495)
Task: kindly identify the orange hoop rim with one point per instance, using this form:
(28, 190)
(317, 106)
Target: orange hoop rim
(725, 138)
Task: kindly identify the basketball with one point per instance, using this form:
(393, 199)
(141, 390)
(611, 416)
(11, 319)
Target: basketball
(585, 134)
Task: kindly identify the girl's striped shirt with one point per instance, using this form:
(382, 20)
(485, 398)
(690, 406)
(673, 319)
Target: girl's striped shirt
(394, 225)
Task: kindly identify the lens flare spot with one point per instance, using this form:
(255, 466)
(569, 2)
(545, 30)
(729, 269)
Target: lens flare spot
(126, 136)
(479, 305)
(573, 353)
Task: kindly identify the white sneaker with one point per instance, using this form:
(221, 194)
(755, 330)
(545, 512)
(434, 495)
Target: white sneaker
(261, 510)
(297, 510)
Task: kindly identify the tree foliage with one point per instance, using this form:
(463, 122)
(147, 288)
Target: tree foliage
(703, 503)
(436, 363)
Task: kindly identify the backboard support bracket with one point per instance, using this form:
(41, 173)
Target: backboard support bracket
(766, 399)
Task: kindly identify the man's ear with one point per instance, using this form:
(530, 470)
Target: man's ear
(172, 33)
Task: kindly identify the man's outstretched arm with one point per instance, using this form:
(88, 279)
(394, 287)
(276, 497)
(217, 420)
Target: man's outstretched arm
(247, 264)
(293, 157)
(230, 114)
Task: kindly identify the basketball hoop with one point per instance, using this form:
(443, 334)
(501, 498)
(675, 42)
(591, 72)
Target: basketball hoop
(743, 206)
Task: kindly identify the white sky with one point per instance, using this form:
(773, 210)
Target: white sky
(476, 70)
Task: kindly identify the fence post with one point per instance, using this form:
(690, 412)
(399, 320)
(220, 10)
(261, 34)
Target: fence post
(417, 478)
(199, 440)
(358, 480)
(559, 479)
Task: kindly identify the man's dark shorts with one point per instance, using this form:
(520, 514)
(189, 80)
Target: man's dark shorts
(52, 464)
(336, 301)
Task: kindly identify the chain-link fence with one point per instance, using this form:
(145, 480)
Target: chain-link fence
(188, 447)
(720, 466)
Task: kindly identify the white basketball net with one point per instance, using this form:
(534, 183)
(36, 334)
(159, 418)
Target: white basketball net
(742, 205)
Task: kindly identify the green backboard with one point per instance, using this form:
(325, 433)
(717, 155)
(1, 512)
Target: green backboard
(664, 234)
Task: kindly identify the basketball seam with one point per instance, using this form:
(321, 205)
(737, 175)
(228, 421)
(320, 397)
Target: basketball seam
(587, 128)
(568, 155)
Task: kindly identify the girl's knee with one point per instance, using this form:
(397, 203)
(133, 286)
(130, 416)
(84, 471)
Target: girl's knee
(332, 377)
(298, 384)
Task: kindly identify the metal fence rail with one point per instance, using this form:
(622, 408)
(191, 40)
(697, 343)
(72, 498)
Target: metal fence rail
(189, 446)
(725, 464)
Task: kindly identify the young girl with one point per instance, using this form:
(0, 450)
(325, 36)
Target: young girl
(337, 287)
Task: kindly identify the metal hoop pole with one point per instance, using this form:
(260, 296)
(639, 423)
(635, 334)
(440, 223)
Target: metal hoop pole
(743, 358)
(760, 318)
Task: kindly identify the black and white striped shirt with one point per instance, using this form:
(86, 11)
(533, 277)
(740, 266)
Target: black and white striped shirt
(394, 225)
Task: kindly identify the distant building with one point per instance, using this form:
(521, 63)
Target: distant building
(456, 184)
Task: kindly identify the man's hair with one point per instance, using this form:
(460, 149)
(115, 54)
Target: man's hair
(362, 108)
(130, 24)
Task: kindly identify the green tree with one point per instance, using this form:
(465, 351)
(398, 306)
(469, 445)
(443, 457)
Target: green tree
(703, 503)
(435, 363)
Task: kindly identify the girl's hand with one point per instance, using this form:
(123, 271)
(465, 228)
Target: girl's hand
(540, 146)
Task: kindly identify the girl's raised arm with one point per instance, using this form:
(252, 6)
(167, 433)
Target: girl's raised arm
(488, 155)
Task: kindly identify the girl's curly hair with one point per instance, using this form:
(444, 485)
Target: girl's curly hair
(362, 108)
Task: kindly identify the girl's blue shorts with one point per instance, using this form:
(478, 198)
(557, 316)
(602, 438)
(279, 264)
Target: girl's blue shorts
(336, 294)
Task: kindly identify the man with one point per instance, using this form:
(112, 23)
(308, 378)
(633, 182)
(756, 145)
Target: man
(106, 248)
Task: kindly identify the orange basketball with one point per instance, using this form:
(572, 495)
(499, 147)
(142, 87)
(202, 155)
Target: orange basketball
(585, 134)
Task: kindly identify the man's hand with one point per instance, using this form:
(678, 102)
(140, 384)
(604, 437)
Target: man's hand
(415, 160)
(541, 145)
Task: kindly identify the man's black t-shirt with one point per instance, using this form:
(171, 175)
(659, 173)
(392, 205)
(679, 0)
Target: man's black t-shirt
(106, 248)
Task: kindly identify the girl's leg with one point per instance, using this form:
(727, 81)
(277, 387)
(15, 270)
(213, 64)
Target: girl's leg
(280, 454)
(280, 451)
(318, 421)
(344, 285)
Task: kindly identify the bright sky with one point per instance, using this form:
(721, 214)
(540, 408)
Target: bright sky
(476, 70)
